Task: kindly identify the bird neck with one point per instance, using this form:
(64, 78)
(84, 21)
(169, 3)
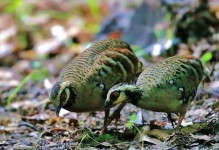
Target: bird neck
(133, 94)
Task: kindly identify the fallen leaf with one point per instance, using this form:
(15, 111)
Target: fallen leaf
(54, 120)
(7, 130)
(201, 137)
(38, 117)
(59, 130)
(215, 106)
(159, 124)
(197, 112)
(73, 123)
(106, 144)
(151, 140)
(142, 136)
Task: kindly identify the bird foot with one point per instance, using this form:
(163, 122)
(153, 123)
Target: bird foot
(171, 119)
(103, 130)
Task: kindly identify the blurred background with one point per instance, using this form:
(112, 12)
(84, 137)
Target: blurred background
(38, 38)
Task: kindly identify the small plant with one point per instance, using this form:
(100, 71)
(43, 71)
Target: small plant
(82, 139)
(36, 75)
(21, 12)
(17, 89)
(131, 124)
(93, 139)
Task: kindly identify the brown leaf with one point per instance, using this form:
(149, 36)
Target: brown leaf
(142, 136)
(215, 106)
(73, 123)
(158, 124)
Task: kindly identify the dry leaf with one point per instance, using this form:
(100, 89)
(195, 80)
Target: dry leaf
(201, 137)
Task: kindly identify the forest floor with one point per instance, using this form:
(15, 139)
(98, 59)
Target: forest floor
(32, 124)
(37, 41)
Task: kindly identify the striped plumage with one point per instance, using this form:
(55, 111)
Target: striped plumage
(84, 82)
(167, 86)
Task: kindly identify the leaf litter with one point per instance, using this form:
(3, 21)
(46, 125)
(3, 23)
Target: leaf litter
(30, 121)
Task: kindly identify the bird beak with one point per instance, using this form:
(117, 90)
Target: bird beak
(107, 104)
(58, 108)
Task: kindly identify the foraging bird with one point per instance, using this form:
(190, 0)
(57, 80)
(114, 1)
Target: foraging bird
(84, 82)
(168, 86)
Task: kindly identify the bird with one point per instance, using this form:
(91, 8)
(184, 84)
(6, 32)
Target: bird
(84, 82)
(168, 86)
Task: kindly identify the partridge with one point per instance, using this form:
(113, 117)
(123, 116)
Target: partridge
(168, 86)
(83, 84)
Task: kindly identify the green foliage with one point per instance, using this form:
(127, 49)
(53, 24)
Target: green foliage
(131, 124)
(139, 52)
(82, 139)
(36, 75)
(40, 74)
(159, 34)
(22, 39)
(170, 34)
(104, 137)
(57, 15)
(13, 5)
(94, 7)
(162, 33)
(100, 138)
(131, 121)
(17, 89)
(91, 139)
(21, 11)
(18, 8)
(94, 27)
(168, 16)
(81, 123)
(206, 57)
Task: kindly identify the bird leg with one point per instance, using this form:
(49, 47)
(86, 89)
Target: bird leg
(142, 117)
(181, 117)
(117, 119)
(170, 118)
(106, 116)
(106, 111)
(115, 115)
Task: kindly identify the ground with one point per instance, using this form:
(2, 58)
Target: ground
(38, 39)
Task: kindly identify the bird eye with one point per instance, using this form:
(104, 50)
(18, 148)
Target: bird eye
(63, 96)
(114, 95)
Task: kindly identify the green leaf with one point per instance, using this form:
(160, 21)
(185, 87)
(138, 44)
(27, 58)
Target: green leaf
(94, 7)
(107, 136)
(131, 121)
(133, 118)
(129, 124)
(13, 5)
(206, 57)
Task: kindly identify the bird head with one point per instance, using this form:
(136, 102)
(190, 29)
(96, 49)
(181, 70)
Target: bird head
(60, 95)
(121, 93)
